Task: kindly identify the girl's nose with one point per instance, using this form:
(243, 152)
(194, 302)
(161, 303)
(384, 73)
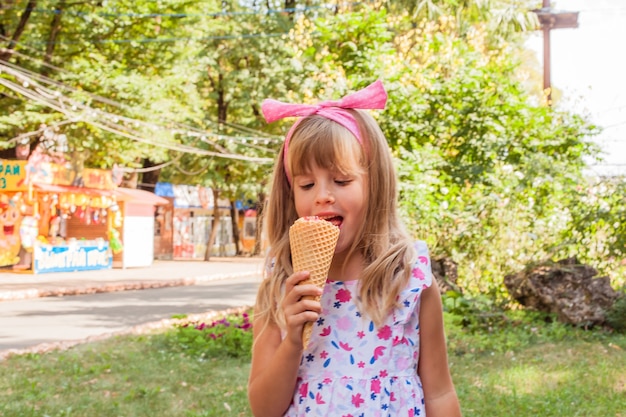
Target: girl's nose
(324, 196)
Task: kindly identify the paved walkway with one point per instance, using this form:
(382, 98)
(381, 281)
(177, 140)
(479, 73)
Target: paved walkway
(15, 286)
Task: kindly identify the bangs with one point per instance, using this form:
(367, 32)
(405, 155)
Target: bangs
(320, 142)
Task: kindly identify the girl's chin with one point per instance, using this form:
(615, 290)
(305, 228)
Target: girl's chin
(341, 248)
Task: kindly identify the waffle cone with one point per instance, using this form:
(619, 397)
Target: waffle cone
(313, 243)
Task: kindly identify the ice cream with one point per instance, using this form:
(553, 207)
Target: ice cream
(313, 241)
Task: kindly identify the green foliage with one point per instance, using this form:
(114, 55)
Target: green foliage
(491, 178)
(485, 169)
(123, 376)
(474, 313)
(230, 336)
(616, 316)
(477, 331)
(598, 225)
(525, 369)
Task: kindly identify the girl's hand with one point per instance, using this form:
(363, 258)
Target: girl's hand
(298, 309)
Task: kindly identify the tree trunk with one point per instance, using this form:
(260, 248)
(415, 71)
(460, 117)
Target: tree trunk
(8, 51)
(149, 178)
(55, 28)
(222, 104)
(130, 180)
(215, 223)
(234, 218)
(258, 239)
(290, 5)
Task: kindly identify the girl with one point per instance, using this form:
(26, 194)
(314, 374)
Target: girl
(378, 346)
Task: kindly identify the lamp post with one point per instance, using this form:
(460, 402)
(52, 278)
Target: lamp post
(552, 19)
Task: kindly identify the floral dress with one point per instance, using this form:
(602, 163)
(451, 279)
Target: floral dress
(353, 369)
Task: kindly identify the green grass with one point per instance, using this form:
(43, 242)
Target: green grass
(574, 378)
(125, 376)
(528, 368)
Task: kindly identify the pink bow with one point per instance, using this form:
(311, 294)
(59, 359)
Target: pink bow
(371, 97)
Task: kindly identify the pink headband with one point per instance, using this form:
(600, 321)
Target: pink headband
(371, 97)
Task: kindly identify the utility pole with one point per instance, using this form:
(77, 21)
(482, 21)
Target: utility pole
(552, 19)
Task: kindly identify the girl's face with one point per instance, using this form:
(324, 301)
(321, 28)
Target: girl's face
(336, 197)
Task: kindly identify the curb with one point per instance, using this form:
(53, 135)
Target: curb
(114, 287)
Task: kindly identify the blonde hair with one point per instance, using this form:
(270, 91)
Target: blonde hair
(382, 240)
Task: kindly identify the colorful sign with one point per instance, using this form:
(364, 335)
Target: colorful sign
(41, 170)
(12, 175)
(69, 258)
(10, 222)
(101, 179)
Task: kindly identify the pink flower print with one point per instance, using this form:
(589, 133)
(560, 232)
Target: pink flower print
(357, 400)
(378, 352)
(324, 354)
(325, 331)
(384, 333)
(345, 346)
(375, 386)
(392, 397)
(304, 389)
(383, 373)
(361, 364)
(397, 341)
(343, 295)
(423, 259)
(402, 362)
(319, 400)
(347, 415)
(360, 334)
(419, 274)
(344, 323)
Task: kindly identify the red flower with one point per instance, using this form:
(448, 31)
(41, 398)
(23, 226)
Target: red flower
(384, 333)
(357, 400)
(343, 295)
(304, 390)
(418, 273)
(375, 386)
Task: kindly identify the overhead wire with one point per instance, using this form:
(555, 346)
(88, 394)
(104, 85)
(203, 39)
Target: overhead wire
(152, 168)
(203, 135)
(105, 100)
(46, 98)
(39, 131)
(193, 173)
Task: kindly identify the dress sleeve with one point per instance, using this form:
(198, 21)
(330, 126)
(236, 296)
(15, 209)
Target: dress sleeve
(421, 278)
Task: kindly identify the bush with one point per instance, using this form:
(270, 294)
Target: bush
(616, 316)
(475, 313)
(230, 336)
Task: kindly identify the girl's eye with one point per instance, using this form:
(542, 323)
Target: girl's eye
(306, 186)
(343, 182)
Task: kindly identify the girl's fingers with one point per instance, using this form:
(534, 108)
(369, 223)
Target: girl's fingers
(299, 304)
(298, 320)
(294, 292)
(295, 278)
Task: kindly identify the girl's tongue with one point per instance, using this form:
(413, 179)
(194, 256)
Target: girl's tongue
(337, 220)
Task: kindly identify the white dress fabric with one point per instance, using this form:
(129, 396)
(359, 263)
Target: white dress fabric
(353, 369)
